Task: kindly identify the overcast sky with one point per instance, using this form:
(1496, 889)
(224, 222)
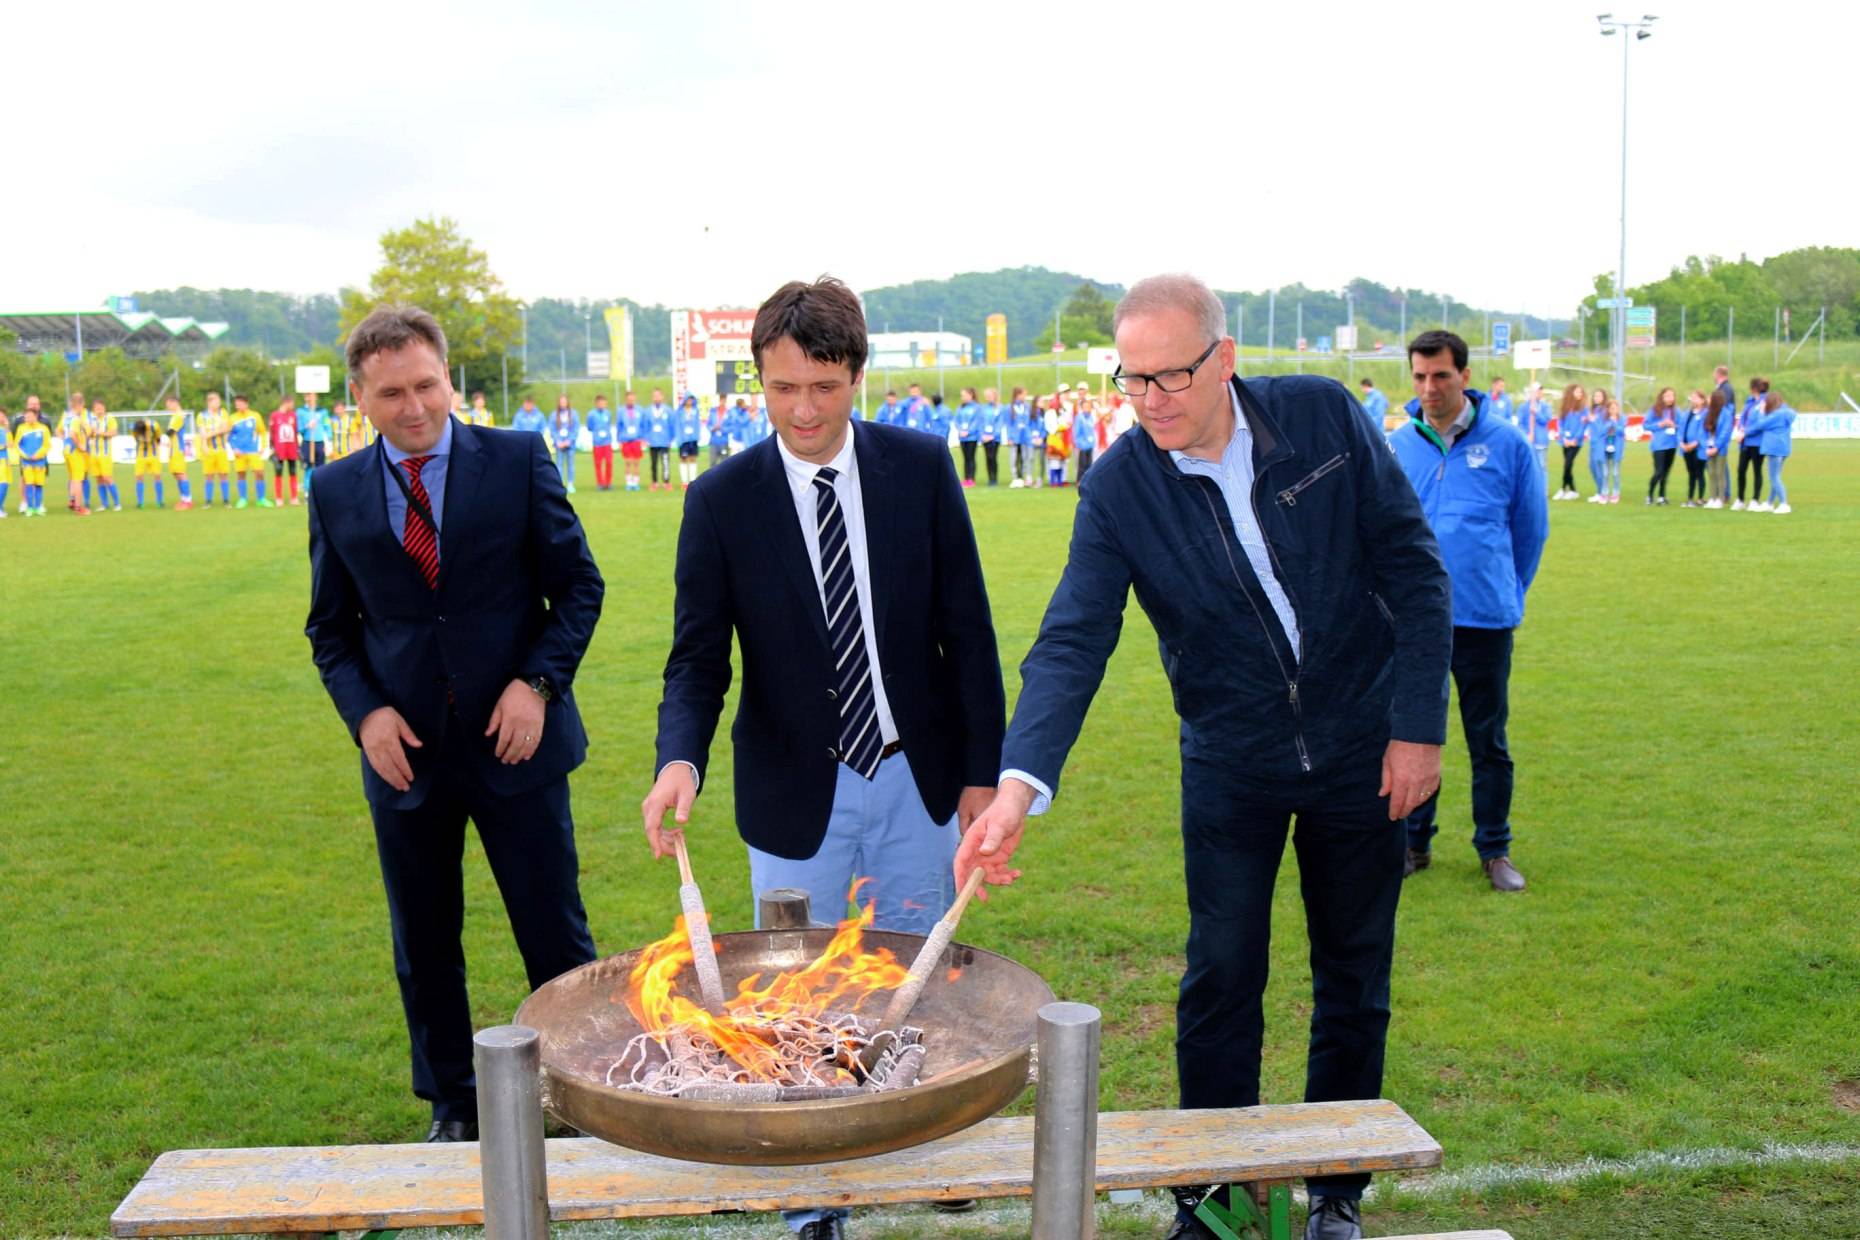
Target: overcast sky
(701, 153)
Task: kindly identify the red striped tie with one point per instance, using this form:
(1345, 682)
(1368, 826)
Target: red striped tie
(416, 535)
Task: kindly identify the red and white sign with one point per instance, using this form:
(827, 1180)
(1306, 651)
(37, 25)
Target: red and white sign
(701, 339)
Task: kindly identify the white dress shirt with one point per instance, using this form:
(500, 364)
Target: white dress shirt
(852, 508)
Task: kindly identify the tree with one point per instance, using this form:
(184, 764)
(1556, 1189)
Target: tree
(1091, 306)
(430, 265)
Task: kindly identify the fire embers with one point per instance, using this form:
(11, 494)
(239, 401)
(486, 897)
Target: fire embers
(812, 1058)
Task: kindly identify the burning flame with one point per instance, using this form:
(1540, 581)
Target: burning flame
(842, 977)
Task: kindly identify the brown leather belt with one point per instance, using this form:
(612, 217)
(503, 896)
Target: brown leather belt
(896, 747)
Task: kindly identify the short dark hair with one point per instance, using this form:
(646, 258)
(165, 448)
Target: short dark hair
(1366, 381)
(393, 327)
(1429, 343)
(478, 395)
(824, 319)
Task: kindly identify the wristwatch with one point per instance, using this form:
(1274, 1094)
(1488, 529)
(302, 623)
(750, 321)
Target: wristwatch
(540, 685)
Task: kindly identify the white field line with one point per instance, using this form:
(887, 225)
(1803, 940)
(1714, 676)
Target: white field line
(1159, 1206)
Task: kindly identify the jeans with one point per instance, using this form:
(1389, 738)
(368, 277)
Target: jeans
(1777, 494)
(1611, 474)
(1482, 677)
(1349, 873)
(565, 464)
(1543, 462)
(1595, 470)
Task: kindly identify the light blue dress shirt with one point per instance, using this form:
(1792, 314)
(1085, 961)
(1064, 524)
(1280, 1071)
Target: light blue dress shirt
(432, 477)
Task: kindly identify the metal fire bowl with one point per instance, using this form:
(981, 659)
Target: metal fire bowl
(979, 1031)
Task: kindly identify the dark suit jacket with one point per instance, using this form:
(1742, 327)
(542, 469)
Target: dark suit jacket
(509, 544)
(742, 566)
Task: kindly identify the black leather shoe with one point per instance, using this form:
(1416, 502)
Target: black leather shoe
(960, 1206)
(1188, 1229)
(451, 1130)
(824, 1229)
(1418, 859)
(1187, 1198)
(1334, 1218)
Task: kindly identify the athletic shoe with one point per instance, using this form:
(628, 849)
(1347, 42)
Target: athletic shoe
(1614, 499)
(1662, 501)
(1738, 506)
(2, 514)
(571, 488)
(1598, 499)
(81, 510)
(1782, 507)
(1755, 507)
(265, 503)
(242, 503)
(1650, 501)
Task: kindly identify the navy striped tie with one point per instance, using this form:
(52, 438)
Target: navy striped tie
(861, 743)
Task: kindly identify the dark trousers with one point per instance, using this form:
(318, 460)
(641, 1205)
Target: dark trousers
(1749, 458)
(991, 452)
(968, 460)
(1662, 466)
(1349, 872)
(661, 465)
(1570, 453)
(529, 841)
(1078, 472)
(1695, 476)
(1482, 679)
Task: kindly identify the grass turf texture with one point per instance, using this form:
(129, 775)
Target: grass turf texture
(196, 949)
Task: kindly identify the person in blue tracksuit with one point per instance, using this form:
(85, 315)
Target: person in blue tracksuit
(993, 430)
(1662, 428)
(1598, 414)
(564, 430)
(890, 413)
(1500, 404)
(1720, 420)
(1572, 424)
(1036, 444)
(1691, 447)
(940, 420)
(1774, 427)
(600, 423)
(968, 424)
(1375, 405)
(659, 428)
(1482, 491)
(916, 409)
(689, 429)
(1750, 450)
(1014, 418)
(1534, 423)
(530, 418)
(630, 430)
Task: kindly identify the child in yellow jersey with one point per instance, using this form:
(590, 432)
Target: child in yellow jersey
(32, 441)
(6, 460)
(178, 441)
(214, 429)
(102, 468)
(146, 434)
(74, 429)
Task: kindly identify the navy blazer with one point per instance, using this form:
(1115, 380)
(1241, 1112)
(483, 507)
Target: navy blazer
(518, 597)
(743, 567)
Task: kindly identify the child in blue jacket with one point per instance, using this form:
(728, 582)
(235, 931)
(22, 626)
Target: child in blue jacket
(1774, 427)
(1571, 429)
(1691, 448)
(1607, 440)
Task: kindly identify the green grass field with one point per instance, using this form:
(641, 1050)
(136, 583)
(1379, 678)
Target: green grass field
(195, 947)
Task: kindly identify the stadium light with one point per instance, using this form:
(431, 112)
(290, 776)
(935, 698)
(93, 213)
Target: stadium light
(1611, 25)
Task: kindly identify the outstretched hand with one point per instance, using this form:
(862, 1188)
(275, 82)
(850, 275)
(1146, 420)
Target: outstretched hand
(990, 840)
(674, 790)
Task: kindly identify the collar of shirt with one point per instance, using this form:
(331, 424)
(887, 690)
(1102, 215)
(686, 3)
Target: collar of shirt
(801, 473)
(432, 476)
(1242, 442)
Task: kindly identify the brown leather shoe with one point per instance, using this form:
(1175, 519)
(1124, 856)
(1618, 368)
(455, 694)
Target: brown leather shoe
(1418, 859)
(1504, 875)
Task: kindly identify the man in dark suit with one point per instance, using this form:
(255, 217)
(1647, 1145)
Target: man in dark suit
(452, 597)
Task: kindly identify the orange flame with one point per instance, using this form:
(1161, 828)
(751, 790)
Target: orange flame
(841, 978)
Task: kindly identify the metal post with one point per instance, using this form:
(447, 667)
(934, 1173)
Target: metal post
(1057, 345)
(77, 321)
(939, 356)
(1682, 339)
(1618, 320)
(1272, 306)
(1821, 341)
(1349, 316)
(784, 908)
(1404, 319)
(1298, 336)
(1065, 1123)
(1446, 318)
(514, 1170)
(526, 339)
(587, 349)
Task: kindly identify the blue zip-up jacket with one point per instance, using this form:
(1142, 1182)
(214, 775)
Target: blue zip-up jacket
(1753, 405)
(600, 427)
(1036, 431)
(1775, 431)
(1572, 428)
(533, 420)
(1608, 436)
(1662, 427)
(1376, 405)
(969, 422)
(889, 414)
(1484, 500)
(1727, 418)
(941, 422)
(1692, 431)
(1349, 544)
(1500, 406)
(563, 427)
(630, 425)
(1019, 415)
(992, 422)
(1534, 421)
(690, 422)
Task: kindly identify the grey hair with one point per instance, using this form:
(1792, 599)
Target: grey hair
(1175, 291)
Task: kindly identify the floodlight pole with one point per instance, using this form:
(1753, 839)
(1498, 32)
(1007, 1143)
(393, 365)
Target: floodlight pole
(1630, 32)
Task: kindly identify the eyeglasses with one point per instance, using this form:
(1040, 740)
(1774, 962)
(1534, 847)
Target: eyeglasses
(1167, 380)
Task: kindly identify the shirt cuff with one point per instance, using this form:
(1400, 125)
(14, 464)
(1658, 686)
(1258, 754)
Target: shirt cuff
(697, 780)
(1042, 801)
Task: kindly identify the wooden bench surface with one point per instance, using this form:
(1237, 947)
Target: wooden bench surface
(1458, 1235)
(397, 1187)
(330, 1188)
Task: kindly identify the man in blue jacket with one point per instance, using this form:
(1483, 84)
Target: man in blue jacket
(1483, 492)
(1304, 623)
(1375, 404)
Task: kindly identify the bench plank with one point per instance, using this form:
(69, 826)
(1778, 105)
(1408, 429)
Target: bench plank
(1458, 1235)
(331, 1188)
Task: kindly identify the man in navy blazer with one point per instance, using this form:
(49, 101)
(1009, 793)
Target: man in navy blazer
(871, 711)
(452, 596)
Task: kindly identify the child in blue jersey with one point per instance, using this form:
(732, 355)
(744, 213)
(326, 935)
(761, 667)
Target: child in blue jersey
(1715, 447)
(6, 461)
(601, 443)
(1036, 443)
(967, 421)
(1750, 450)
(32, 443)
(659, 440)
(1662, 428)
(1691, 433)
(994, 426)
(1774, 427)
(1571, 425)
(689, 428)
(1598, 414)
(1608, 441)
(1534, 422)
(630, 427)
(564, 430)
(247, 441)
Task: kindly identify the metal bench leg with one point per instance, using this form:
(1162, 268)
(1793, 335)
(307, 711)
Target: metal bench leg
(1270, 1218)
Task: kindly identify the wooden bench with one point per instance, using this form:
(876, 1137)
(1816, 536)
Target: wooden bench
(380, 1188)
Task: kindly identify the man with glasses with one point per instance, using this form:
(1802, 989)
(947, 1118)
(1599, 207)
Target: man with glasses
(1304, 624)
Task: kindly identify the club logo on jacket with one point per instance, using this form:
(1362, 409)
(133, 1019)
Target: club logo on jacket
(1477, 455)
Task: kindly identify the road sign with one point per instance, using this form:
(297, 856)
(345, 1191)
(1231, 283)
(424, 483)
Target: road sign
(313, 379)
(1530, 355)
(599, 363)
(1501, 337)
(1346, 338)
(1100, 361)
(1615, 303)
(1640, 327)
(73, 357)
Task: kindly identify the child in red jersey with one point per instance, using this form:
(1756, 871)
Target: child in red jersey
(284, 449)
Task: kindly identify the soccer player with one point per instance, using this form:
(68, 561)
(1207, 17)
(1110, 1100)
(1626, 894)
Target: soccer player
(284, 450)
(180, 437)
(32, 439)
(248, 447)
(357, 433)
(214, 427)
(74, 428)
(6, 463)
(101, 467)
(480, 415)
(147, 434)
